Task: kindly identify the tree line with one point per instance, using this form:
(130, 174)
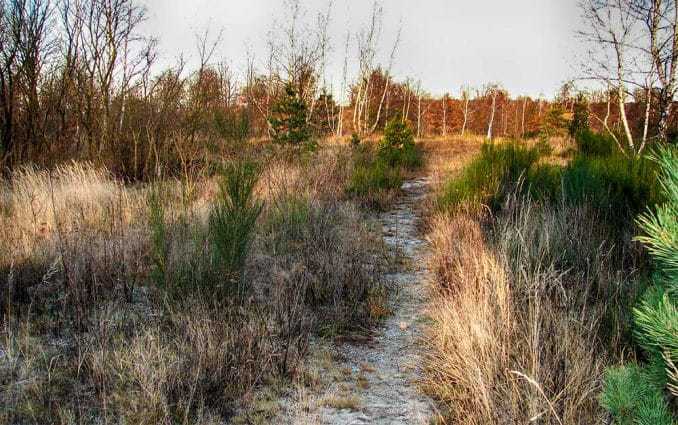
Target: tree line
(78, 81)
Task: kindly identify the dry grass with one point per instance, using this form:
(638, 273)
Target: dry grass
(342, 400)
(322, 176)
(446, 156)
(527, 307)
(40, 204)
(508, 343)
(72, 234)
(87, 335)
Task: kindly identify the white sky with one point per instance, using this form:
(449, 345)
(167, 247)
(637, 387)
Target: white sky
(527, 45)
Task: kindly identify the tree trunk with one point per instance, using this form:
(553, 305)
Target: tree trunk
(419, 117)
(444, 116)
(489, 126)
(505, 115)
(7, 103)
(646, 123)
(665, 106)
(381, 103)
(463, 126)
(522, 124)
(620, 98)
(356, 109)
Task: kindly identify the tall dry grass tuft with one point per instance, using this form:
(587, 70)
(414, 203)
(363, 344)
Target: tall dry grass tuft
(72, 232)
(322, 176)
(519, 311)
(184, 369)
(322, 251)
(471, 321)
(39, 203)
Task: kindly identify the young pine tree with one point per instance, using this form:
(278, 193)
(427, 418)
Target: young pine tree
(580, 118)
(639, 394)
(289, 119)
(397, 148)
(554, 123)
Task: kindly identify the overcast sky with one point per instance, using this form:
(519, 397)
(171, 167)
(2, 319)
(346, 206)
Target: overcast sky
(527, 45)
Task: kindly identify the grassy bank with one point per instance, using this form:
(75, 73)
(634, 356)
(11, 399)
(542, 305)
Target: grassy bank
(537, 273)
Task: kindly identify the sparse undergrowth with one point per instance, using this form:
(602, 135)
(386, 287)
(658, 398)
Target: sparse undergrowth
(378, 172)
(171, 303)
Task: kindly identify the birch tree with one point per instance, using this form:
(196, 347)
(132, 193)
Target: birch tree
(522, 119)
(466, 94)
(387, 78)
(659, 42)
(491, 91)
(445, 101)
(367, 41)
(614, 34)
(298, 50)
(419, 96)
(344, 86)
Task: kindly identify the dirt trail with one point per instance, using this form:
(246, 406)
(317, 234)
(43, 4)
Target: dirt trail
(374, 381)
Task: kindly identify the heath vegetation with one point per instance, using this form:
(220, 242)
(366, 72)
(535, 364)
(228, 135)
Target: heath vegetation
(176, 240)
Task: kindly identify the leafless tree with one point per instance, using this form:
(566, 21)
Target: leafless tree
(344, 86)
(298, 51)
(444, 101)
(605, 122)
(466, 94)
(419, 93)
(492, 91)
(255, 84)
(659, 41)
(26, 44)
(522, 119)
(11, 21)
(621, 55)
(407, 86)
(387, 78)
(367, 43)
(113, 54)
(207, 46)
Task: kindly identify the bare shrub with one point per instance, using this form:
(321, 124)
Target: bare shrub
(190, 364)
(329, 258)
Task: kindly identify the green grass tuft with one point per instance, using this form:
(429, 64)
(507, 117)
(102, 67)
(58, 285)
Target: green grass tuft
(490, 177)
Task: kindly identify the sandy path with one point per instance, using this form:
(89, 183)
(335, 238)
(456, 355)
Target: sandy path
(374, 381)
